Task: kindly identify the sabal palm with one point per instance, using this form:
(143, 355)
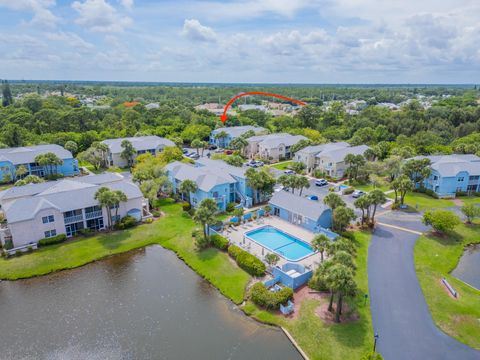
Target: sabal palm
(321, 243)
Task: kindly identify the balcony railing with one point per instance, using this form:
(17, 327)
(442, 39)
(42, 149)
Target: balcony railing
(73, 219)
(93, 214)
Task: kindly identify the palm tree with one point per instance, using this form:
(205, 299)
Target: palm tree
(321, 244)
(21, 171)
(272, 259)
(187, 187)
(220, 136)
(197, 144)
(106, 199)
(119, 196)
(341, 281)
(333, 201)
(49, 161)
(363, 203)
(205, 214)
(128, 152)
(376, 197)
(239, 143)
(302, 182)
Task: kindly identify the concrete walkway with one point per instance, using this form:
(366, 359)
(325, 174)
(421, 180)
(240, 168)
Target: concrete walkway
(400, 314)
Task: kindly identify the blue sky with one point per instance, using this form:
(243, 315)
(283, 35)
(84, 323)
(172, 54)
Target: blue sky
(276, 41)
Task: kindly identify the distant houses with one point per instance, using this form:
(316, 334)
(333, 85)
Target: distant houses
(12, 159)
(230, 134)
(37, 211)
(272, 147)
(215, 179)
(451, 174)
(328, 158)
(141, 144)
(309, 214)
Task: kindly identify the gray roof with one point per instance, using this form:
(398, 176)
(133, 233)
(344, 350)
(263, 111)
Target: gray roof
(315, 149)
(203, 176)
(139, 143)
(311, 209)
(451, 165)
(338, 155)
(274, 140)
(236, 131)
(65, 195)
(27, 154)
(221, 167)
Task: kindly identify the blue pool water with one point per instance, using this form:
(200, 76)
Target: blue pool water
(283, 244)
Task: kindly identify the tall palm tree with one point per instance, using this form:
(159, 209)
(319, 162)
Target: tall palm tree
(341, 281)
(302, 183)
(128, 152)
(106, 199)
(321, 243)
(119, 196)
(220, 136)
(205, 214)
(363, 203)
(333, 201)
(187, 187)
(197, 144)
(376, 197)
(239, 143)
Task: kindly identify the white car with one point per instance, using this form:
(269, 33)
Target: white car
(289, 172)
(358, 193)
(321, 182)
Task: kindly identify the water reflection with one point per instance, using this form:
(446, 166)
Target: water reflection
(468, 269)
(142, 305)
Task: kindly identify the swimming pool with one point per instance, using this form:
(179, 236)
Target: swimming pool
(285, 245)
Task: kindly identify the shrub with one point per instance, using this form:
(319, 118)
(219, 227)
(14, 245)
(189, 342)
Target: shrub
(197, 232)
(233, 251)
(201, 242)
(219, 242)
(441, 220)
(348, 235)
(86, 232)
(270, 300)
(156, 213)
(126, 223)
(461, 193)
(348, 191)
(426, 191)
(230, 207)
(251, 264)
(53, 240)
(186, 206)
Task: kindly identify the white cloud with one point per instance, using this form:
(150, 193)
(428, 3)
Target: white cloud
(100, 16)
(69, 39)
(127, 4)
(42, 15)
(193, 30)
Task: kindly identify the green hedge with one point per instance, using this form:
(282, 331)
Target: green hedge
(126, 223)
(426, 191)
(247, 261)
(219, 242)
(270, 300)
(53, 240)
(348, 191)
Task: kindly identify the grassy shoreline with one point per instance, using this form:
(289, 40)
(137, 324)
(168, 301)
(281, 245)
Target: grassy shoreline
(436, 258)
(173, 232)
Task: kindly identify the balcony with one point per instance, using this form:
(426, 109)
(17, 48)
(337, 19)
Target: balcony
(93, 214)
(73, 219)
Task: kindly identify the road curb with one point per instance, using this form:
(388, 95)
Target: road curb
(292, 340)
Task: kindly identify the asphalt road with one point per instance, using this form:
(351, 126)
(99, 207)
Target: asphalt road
(400, 314)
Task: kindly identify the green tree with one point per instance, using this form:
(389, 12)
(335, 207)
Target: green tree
(261, 181)
(298, 167)
(205, 214)
(197, 144)
(128, 152)
(342, 216)
(186, 188)
(234, 160)
(272, 259)
(13, 135)
(29, 179)
(239, 143)
(301, 182)
(106, 199)
(376, 197)
(21, 171)
(321, 243)
(393, 167)
(71, 146)
(170, 154)
(417, 170)
(442, 221)
(341, 280)
(333, 201)
(401, 185)
(49, 161)
(354, 164)
(363, 203)
(7, 98)
(471, 212)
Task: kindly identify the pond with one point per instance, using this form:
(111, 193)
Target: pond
(145, 304)
(468, 269)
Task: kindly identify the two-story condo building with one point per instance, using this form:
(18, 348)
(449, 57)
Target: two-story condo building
(37, 211)
(13, 158)
(215, 179)
(453, 173)
(142, 144)
(231, 133)
(328, 158)
(272, 147)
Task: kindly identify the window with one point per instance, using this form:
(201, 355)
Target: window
(435, 177)
(113, 207)
(474, 177)
(48, 219)
(50, 233)
(460, 179)
(215, 194)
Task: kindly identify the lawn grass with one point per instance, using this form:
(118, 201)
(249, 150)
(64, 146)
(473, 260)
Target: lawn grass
(282, 165)
(336, 341)
(475, 200)
(422, 202)
(5, 186)
(174, 232)
(435, 258)
(370, 187)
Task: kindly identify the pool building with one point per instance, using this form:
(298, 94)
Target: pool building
(312, 215)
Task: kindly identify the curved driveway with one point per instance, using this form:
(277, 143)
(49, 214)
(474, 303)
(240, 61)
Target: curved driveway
(400, 314)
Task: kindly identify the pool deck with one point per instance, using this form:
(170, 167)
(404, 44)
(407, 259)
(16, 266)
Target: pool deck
(237, 237)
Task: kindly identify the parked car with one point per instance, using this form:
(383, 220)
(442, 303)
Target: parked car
(185, 151)
(255, 163)
(228, 152)
(357, 193)
(219, 151)
(289, 172)
(312, 197)
(321, 182)
(194, 156)
(212, 147)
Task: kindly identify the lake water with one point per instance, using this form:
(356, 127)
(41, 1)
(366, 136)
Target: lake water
(145, 304)
(468, 268)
